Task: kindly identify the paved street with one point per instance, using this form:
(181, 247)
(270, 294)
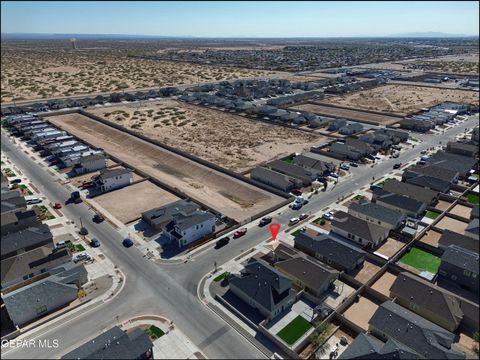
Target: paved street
(171, 290)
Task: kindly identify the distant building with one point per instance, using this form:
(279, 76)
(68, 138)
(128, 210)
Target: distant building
(90, 163)
(109, 180)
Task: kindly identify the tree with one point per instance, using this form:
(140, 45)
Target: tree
(319, 335)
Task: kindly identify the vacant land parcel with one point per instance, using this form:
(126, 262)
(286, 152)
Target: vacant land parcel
(402, 99)
(361, 116)
(227, 195)
(228, 140)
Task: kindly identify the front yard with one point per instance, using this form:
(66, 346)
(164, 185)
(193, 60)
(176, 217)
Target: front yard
(44, 213)
(421, 260)
(473, 199)
(154, 332)
(294, 330)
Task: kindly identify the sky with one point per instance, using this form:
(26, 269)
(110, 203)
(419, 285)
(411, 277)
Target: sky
(240, 18)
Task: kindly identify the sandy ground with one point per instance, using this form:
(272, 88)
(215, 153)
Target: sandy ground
(228, 140)
(442, 205)
(390, 247)
(402, 99)
(431, 237)
(135, 199)
(461, 210)
(384, 283)
(361, 312)
(347, 113)
(234, 198)
(460, 64)
(366, 272)
(452, 224)
(31, 73)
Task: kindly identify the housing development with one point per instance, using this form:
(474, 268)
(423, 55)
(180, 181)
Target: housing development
(283, 198)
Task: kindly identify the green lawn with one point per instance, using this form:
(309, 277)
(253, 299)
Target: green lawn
(294, 330)
(421, 260)
(154, 332)
(432, 214)
(289, 160)
(296, 232)
(27, 189)
(317, 220)
(220, 277)
(473, 199)
(79, 247)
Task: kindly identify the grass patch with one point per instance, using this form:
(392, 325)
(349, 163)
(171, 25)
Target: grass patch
(294, 330)
(296, 232)
(473, 199)
(432, 214)
(288, 160)
(9, 172)
(421, 260)
(79, 247)
(24, 187)
(317, 220)
(359, 197)
(154, 332)
(44, 213)
(221, 276)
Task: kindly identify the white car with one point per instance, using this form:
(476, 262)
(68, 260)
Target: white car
(82, 256)
(293, 221)
(344, 167)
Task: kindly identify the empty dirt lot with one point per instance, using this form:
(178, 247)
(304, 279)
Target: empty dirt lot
(361, 312)
(461, 210)
(390, 247)
(228, 140)
(402, 99)
(431, 237)
(234, 198)
(452, 224)
(351, 114)
(135, 199)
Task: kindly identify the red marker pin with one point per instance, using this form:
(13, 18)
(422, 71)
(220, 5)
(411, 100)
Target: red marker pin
(274, 229)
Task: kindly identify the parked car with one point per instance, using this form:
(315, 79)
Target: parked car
(296, 192)
(60, 245)
(81, 257)
(377, 157)
(98, 218)
(266, 220)
(395, 155)
(396, 147)
(16, 181)
(423, 152)
(127, 243)
(353, 164)
(344, 167)
(328, 215)
(293, 221)
(57, 205)
(303, 216)
(373, 187)
(239, 233)
(222, 242)
(94, 243)
(371, 157)
(83, 231)
(334, 175)
(296, 206)
(34, 201)
(397, 165)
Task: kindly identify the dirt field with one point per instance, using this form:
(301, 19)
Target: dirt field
(352, 114)
(384, 283)
(452, 224)
(234, 198)
(431, 237)
(366, 272)
(238, 143)
(390, 247)
(135, 199)
(459, 64)
(34, 73)
(402, 99)
(461, 210)
(361, 312)
(442, 205)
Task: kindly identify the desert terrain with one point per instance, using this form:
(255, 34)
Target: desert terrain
(35, 73)
(235, 198)
(402, 99)
(229, 140)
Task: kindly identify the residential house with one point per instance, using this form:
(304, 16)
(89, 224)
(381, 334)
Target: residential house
(426, 196)
(91, 163)
(472, 229)
(460, 266)
(429, 182)
(352, 149)
(336, 124)
(396, 136)
(19, 220)
(469, 150)
(377, 141)
(377, 214)
(336, 253)
(433, 171)
(181, 221)
(109, 180)
(427, 300)
(304, 271)
(365, 346)
(25, 240)
(115, 344)
(403, 204)
(351, 129)
(430, 341)
(475, 212)
(307, 162)
(297, 172)
(446, 160)
(12, 201)
(263, 288)
(416, 125)
(450, 237)
(364, 232)
(46, 295)
(274, 179)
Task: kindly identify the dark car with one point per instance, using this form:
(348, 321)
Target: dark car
(83, 231)
(296, 192)
(353, 164)
(239, 232)
(266, 220)
(127, 243)
(95, 243)
(373, 187)
(397, 165)
(222, 242)
(16, 181)
(303, 216)
(98, 218)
